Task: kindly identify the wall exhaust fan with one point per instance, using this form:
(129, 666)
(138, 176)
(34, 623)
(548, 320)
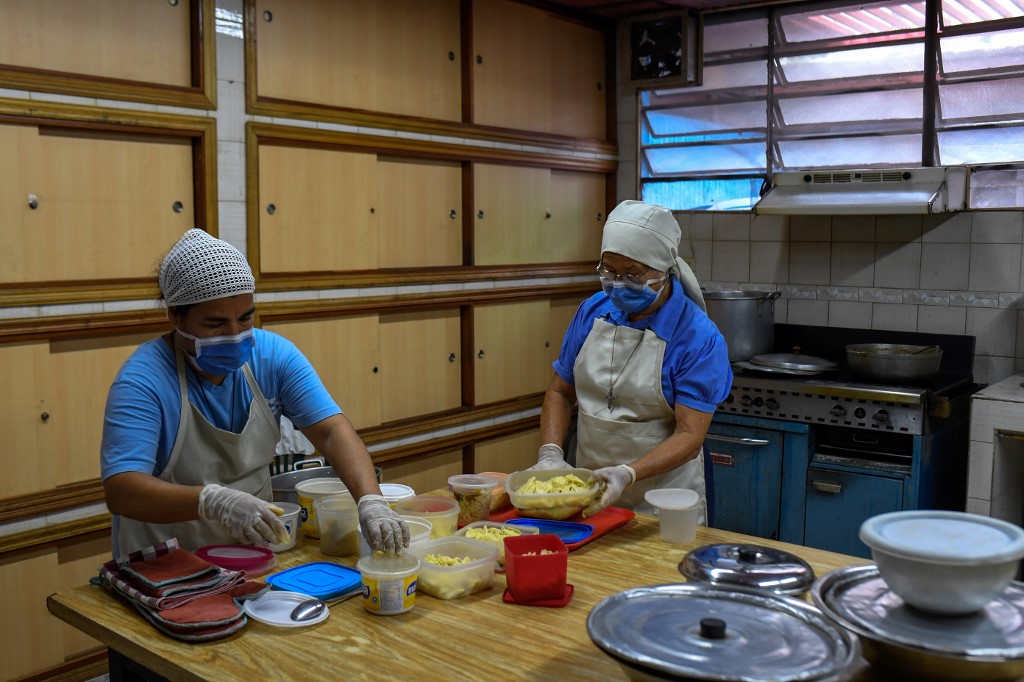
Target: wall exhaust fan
(887, 191)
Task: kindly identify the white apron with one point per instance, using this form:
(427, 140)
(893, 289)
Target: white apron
(203, 454)
(627, 362)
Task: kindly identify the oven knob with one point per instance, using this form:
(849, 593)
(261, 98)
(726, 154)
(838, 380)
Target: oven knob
(859, 413)
(729, 400)
(746, 400)
(758, 402)
(771, 404)
(881, 416)
(837, 411)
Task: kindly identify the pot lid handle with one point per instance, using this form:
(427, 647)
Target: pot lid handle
(712, 628)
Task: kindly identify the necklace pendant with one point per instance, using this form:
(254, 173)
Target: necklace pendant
(611, 398)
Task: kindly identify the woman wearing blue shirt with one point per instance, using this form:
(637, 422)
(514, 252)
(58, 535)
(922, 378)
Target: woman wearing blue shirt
(643, 363)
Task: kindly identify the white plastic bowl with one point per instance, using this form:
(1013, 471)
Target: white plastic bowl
(944, 562)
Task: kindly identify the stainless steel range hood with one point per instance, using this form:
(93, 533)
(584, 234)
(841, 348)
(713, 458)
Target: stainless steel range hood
(886, 191)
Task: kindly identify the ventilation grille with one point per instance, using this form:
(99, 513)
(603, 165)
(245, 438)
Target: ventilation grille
(845, 177)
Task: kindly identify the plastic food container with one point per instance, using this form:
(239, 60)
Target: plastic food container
(555, 506)
(389, 583)
(442, 512)
(495, 532)
(283, 485)
(290, 519)
(536, 567)
(393, 492)
(419, 531)
(473, 493)
(308, 492)
(253, 560)
(338, 519)
(499, 496)
(452, 582)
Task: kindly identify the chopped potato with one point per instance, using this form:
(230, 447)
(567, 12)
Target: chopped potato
(492, 533)
(442, 560)
(570, 483)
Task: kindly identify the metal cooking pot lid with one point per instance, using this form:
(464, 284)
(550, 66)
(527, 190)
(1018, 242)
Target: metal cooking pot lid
(748, 566)
(858, 598)
(706, 632)
(797, 361)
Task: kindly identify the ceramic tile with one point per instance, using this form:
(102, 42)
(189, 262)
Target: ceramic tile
(853, 263)
(230, 58)
(945, 266)
(875, 295)
(800, 293)
(997, 227)
(894, 317)
(769, 228)
(898, 265)
(976, 299)
(849, 314)
(992, 368)
(979, 470)
(730, 227)
(900, 229)
(730, 260)
(769, 261)
(942, 320)
(995, 267)
(1007, 473)
(995, 330)
(976, 506)
(1013, 300)
(124, 306)
(808, 312)
(837, 293)
(781, 311)
(947, 227)
(923, 297)
(809, 262)
(14, 94)
(231, 221)
(853, 228)
(813, 228)
(230, 113)
(230, 171)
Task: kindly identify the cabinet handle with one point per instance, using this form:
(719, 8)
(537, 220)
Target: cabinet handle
(760, 442)
(547, 343)
(480, 353)
(33, 202)
(829, 488)
(268, 16)
(479, 59)
(453, 215)
(45, 416)
(547, 214)
(451, 357)
(451, 56)
(480, 214)
(271, 209)
(376, 369)
(177, 206)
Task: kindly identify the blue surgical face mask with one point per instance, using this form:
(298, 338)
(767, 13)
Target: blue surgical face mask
(628, 297)
(219, 355)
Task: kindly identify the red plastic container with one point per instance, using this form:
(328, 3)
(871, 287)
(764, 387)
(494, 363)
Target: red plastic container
(535, 567)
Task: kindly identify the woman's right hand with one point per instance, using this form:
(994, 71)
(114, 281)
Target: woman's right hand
(248, 518)
(550, 456)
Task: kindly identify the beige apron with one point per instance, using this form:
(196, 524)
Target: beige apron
(203, 454)
(627, 362)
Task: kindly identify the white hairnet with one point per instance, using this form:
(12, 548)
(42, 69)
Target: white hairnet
(203, 268)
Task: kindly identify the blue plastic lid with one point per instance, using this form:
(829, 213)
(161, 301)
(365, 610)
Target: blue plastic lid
(320, 579)
(569, 532)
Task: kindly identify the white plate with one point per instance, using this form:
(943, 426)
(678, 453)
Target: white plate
(276, 606)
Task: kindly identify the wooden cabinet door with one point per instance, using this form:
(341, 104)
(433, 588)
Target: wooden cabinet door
(344, 351)
(78, 561)
(573, 233)
(321, 51)
(512, 204)
(122, 39)
(511, 359)
(419, 213)
(511, 70)
(105, 204)
(78, 375)
(420, 363)
(508, 454)
(426, 472)
(323, 217)
(578, 86)
(29, 637)
(562, 310)
(27, 467)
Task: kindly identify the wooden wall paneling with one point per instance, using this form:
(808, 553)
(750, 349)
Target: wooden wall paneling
(578, 213)
(512, 203)
(511, 358)
(511, 70)
(420, 360)
(579, 84)
(509, 453)
(28, 579)
(154, 52)
(78, 374)
(426, 472)
(345, 352)
(78, 561)
(419, 211)
(23, 418)
(561, 312)
(324, 210)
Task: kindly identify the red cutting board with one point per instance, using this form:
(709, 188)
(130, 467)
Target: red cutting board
(604, 521)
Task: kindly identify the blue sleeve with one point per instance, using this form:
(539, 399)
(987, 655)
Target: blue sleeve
(131, 430)
(572, 342)
(704, 382)
(304, 398)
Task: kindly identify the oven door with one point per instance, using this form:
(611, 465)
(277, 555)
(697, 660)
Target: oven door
(838, 502)
(747, 478)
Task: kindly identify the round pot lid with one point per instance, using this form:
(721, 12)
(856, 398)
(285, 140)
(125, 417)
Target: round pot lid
(858, 598)
(947, 536)
(795, 361)
(706, 632)
(748, 566)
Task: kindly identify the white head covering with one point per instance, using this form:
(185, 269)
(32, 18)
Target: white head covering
(203, 268)
(650, 235)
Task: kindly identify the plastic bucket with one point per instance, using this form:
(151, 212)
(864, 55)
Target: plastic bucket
(310, 491)
(337, 519)
(290, 519)
(389, 583)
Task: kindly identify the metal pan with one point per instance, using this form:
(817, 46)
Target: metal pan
(894, 361)
(796, 361)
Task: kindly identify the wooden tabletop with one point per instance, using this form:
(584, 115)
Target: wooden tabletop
(478, 636)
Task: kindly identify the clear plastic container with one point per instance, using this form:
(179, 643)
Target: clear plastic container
(473, 493)
(499, 496)
(338, 519)
(419, 531)
(310, 491)
(442, 512)
(393, 492)
(556, 506)
(452, 582)
(389, 583)
(495, 532)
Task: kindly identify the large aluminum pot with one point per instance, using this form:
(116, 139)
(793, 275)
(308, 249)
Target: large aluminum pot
(894, 361)
(746, 320)
(283, 485)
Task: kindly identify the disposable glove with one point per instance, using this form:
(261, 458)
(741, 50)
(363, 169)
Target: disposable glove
(614, 480)
(550, 456)
(248, 518)
(384, 529)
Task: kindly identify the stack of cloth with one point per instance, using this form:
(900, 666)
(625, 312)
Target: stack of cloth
(180, 594)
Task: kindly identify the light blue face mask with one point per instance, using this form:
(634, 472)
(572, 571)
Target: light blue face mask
(219, 355)
(629, 297)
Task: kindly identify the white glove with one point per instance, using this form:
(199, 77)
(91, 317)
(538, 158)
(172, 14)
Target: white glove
(247, 517)
(384, 529)
(614, 480)
(550, 456)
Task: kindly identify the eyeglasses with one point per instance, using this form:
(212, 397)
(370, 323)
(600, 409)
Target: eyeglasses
(633, 278)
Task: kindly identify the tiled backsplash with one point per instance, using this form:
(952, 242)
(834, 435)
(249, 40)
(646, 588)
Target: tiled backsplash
(995, 480)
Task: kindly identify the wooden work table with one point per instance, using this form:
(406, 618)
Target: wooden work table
(475, 637)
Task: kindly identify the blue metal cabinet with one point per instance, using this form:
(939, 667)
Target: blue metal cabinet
(747, 478)
(838, 502)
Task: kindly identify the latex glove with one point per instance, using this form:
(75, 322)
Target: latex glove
(247, 517)
(613, 481)
(384, 528)
(550, 456)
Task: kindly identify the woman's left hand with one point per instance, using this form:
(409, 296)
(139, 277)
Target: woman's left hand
(613, 481)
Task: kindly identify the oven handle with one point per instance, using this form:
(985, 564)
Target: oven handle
(733, 439)
(824, 487)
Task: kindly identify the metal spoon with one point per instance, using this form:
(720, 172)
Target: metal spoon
(312, 608)
(921, 350)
